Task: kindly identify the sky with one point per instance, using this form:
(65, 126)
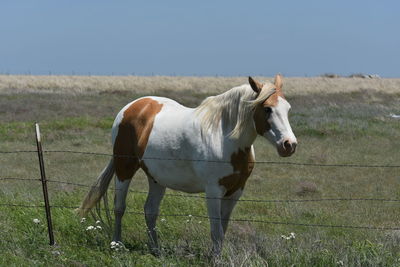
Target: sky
(202, 38)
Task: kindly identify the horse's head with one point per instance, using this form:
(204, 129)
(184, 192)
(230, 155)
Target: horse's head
(271, 117)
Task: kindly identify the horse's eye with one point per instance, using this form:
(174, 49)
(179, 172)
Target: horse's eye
(268, 110)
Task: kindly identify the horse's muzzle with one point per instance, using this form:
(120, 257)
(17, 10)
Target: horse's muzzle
(286, 148)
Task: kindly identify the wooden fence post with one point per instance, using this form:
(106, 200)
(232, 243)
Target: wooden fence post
(44, 185)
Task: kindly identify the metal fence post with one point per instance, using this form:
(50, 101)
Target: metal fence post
(44, 184)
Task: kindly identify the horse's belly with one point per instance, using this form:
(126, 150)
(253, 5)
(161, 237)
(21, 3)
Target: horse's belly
(175, 175)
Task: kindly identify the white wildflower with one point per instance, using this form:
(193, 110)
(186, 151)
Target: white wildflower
(163, 220)
(56, 253)
(83, 220)
(90, 227)
(98, 227)
(117, 246)
(187, 221)
(289, 237)
(37, 221)
(98, 222)
(190, 216)
(394, 116)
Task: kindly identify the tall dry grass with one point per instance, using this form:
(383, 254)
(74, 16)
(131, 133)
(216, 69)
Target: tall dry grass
(10, 84)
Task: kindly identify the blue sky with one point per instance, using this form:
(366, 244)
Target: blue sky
(227, 38)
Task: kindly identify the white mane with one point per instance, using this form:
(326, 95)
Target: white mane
(234, 107)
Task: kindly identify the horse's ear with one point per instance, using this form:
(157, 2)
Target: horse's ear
(278, 82)
(256, 86)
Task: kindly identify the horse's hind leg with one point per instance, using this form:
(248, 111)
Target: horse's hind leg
(125, 169)
(151, 209)
(121, 190)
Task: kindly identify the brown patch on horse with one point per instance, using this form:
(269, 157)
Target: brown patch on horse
(243, 164)
(259, 116)
(260, 120)
(272, 101)
(133, 135)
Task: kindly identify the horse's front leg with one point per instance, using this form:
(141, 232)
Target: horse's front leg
(227, 205)
(214, 195)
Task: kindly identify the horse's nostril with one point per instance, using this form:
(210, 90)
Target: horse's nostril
(287, 145)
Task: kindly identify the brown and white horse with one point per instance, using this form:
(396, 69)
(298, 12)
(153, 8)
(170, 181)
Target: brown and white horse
(215, 141)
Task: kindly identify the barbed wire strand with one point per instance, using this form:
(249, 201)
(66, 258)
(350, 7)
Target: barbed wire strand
(367, 227)
(227, 162)
(205, 197)
(210, 161)
(18, 151)
(19, 179)
(21, 205)
(244, 200)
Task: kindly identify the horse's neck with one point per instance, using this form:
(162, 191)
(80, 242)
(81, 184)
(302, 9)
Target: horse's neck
(245, 140)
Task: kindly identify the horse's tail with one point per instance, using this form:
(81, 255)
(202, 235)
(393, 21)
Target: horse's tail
(98, 189)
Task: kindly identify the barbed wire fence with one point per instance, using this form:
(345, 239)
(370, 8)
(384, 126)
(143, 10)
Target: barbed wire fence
(47, 207)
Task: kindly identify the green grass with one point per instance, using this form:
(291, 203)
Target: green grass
(332, 128)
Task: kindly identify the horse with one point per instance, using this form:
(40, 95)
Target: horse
(204, 149)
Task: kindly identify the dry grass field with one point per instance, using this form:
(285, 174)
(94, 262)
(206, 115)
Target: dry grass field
(336, 121)
(11, 84)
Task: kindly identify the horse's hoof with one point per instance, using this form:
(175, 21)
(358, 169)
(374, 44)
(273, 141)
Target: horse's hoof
(156, 252)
